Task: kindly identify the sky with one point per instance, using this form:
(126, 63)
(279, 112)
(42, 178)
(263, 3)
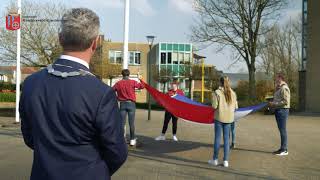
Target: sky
(168, 20)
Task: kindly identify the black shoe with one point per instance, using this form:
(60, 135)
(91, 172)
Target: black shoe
(282, 153)
(233, 146)
(277, 152)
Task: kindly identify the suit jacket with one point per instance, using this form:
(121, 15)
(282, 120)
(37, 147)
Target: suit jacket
(72, 124)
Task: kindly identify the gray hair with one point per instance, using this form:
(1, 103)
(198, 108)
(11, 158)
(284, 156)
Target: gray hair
(79, 27)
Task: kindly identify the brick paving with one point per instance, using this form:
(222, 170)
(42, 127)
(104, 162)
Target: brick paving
(257, 137)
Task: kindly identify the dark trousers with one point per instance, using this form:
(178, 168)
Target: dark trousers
(281, 118)
(167, 117)
(128, 107)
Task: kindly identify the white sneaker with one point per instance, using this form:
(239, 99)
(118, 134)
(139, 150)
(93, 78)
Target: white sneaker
(175, 138)
(160, 138)
(282, 153)
(133, 142)
(225, 164)
(213, 162)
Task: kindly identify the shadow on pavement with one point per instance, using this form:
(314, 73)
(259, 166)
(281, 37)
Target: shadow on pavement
(149, 149)
(12, 133)
(148, 144)
(7, 112)
(252, 150)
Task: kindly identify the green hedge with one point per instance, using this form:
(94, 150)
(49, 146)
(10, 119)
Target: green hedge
(7, 97)
(7, 86)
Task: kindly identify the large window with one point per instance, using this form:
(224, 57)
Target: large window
(115, 57)
(174, 53)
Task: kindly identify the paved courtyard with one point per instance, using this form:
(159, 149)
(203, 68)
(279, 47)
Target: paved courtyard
(257, 137)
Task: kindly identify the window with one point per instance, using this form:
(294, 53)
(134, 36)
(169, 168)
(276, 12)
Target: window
(163, 58)
(111, 57)
(118, 57)
(169, 58)
(115, 57)
(181, 58)
(187, 58)
(188, 47)
(305, 6)
(181, 47)
(163, 47)
(304, 53)
(131, 58)
(169, 47)
(137, 58)
(175, 58)
(175, 47)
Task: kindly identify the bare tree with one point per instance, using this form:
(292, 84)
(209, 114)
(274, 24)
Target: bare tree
(39, 33)
(163, 76)
(283, 52)
(194, 73)
(105, 70)
(237, 24)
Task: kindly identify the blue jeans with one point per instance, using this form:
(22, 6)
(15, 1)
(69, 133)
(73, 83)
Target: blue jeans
(281, 118)
(218, 127)
(128, 107)
(233, 133)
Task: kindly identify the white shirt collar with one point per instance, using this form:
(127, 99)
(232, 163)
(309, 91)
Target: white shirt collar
(75, 59)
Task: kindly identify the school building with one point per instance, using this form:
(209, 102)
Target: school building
(167, 61)
(309, 86)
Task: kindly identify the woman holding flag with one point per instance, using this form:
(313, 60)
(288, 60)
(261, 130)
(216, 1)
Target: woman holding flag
(167, 116)
(225, 103)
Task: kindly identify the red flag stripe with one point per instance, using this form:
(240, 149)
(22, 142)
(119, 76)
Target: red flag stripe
(199, 114)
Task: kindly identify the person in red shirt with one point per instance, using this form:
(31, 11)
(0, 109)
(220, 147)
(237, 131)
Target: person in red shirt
(167, 116)
(125, 90)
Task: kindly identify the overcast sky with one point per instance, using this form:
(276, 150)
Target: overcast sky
(168, 20)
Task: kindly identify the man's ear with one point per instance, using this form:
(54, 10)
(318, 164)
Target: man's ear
(95, 44)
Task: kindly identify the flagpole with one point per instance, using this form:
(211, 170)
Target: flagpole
(126, 34)
(18, 71)
(202, 81)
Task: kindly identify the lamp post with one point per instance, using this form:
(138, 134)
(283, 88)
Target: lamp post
(150, 40)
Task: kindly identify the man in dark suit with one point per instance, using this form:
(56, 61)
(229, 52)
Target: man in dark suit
(70, 118)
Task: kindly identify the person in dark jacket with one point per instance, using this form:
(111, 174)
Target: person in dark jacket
(69, 118)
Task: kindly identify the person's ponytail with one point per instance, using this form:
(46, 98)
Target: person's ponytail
(225, 82)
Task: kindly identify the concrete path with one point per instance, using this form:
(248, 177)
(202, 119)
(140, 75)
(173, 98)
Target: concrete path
(257, 137)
